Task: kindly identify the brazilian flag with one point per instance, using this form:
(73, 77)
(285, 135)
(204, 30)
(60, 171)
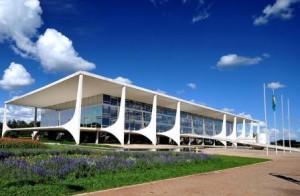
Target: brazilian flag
(273, 102)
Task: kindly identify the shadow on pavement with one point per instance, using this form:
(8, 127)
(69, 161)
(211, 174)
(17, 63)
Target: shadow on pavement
(286, 178)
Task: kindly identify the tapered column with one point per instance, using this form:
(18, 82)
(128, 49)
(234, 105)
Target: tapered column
(117, 129)
(5, 128)
(174, 133)
(150, 130)
(250, 136)
(232, 136)
(222, 135)
(243, 134)
(73, 126)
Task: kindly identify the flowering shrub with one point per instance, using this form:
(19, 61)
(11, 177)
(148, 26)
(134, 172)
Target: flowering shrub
(20, 143)
(5, 153)
(41, 169)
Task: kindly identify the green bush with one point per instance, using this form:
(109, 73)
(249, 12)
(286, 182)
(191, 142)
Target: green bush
(20, 143)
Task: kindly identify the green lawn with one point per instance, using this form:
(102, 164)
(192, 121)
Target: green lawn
(106, 180)
(104, 146)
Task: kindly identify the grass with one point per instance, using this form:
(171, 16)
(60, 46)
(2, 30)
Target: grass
(98, 145)
(64, 142)
(139, 175)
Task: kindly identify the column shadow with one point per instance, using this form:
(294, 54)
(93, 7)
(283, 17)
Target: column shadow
(285, 178)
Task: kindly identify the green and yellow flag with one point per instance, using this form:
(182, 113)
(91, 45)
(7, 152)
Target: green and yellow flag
(273, 102)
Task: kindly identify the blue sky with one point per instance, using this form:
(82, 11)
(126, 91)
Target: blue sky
(217, 53)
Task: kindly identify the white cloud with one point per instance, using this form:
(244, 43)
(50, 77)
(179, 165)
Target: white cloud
(193, 101)
(19, 23)
(232, 60)
(20, 113)
(15, 97)
(245, 115)
(161, 91)
(57, 53)
(262, 124)
(201, 16)
(199, 8)
(192, 85)
(266, 55)
(203, 13)
(123, 80)
(180, 91)
(228, 109)
(280, 9)
(275, 85)
(15, 77)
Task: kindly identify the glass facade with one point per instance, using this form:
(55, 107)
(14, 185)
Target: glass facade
(165, 119)
(137, 115)
(102, 111)
(229, 128)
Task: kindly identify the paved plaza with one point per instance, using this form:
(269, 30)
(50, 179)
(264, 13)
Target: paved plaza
(280, 176)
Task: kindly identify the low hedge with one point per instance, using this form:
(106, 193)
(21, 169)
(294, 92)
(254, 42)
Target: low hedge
(20, 143)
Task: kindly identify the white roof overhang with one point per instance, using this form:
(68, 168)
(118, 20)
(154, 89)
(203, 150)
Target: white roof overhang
(65, 90)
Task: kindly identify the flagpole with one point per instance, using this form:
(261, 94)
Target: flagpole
(274, 121)
(266, 123)
(289, 124)
(282, 118)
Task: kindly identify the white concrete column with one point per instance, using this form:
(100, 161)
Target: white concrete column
(5, 128)
(203, 127)
(97, 137)
(73, 126)
(150, 130)
(34, 133)
(243, 134)
(257, 128)
(222, 135)
(250, 136)
(232, 136)
(117, 129)
(128, 140)
(174, 133)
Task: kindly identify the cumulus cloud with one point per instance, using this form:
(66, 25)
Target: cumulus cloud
(228, 109)
(57, 53)
(161, 91)
(20, 113)
(193, 101)
(19, 21)
(123, 80)
(54, 50)
(280, 9)
(15, 77)
(243, 114)
(192, 85)
(262, 124)
(232, 60)
(275, 85)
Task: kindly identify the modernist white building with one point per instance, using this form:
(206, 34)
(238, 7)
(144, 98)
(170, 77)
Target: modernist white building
(85, 102)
